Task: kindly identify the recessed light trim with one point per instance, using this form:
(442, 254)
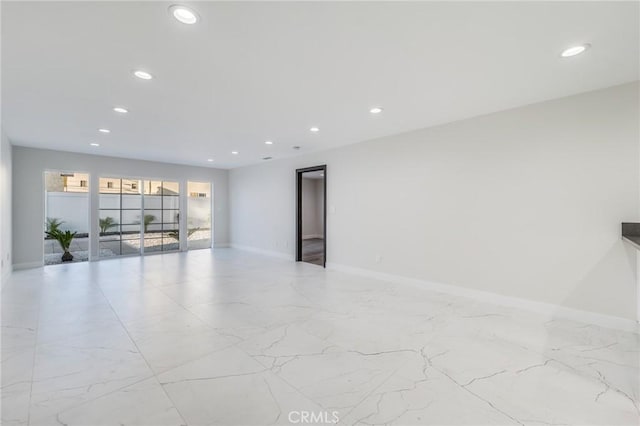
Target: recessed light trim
(94, 144)
(120, 110)
(210, 160)
(104, 130)
(314, 129)
(184, 14)
(268, 142)
(375, 110)
(143, 75)
(235, 152)
(575, 50)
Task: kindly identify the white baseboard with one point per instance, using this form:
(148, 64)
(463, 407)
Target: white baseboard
(312, 236)
(547, 309)
(270, 253)
(27, 265)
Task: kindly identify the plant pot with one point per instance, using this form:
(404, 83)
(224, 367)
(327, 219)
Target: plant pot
(67, 257)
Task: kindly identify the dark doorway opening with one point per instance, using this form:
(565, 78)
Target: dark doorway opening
(311, 229)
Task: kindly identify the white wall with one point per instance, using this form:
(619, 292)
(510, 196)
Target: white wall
(5, 206)
(28, 196)
(312, 216)
(526, 202)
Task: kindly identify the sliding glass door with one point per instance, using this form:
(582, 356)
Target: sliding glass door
(138, 216)
(161, 216)
(119, 219)
(199, 215)
(66, 211)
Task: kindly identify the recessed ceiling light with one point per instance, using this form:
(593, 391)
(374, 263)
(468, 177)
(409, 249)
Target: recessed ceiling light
(121, 110)
(94, 144)
(375, 110)
(268, 142)
(574, 50)
(143, 75)
(104, 130)
(210, 159)
(314, 129)
(183, 14)
(234, 152)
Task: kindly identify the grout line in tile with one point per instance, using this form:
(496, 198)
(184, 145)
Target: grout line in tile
(144, 358)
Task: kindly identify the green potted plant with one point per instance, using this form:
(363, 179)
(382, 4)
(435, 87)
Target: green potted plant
(106, 223)
(148, 218)
(64, 238)
(53, 224)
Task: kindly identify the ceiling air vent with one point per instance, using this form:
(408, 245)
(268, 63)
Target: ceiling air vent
(267, 158)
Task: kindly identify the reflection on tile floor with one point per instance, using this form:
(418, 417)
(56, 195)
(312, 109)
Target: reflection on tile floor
(232, 338)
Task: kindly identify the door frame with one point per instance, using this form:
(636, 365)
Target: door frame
(299, 172)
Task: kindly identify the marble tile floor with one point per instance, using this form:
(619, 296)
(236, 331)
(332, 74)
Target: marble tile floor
(225, 337)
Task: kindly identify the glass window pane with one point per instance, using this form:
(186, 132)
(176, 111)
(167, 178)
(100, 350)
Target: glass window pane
(130, 201)
(199, 215)
(170, 216)
(170, 202)
(152, 244)
(130, 186)
(131, 246)
(109, 222)
(131, 217)
(109, 186)
(152, 220)
(109, 201)
(110, 236)
(152, 202)
(152, 187)
(113, 213)
(109, 248)
(120, 209)
(131, 234)
(129, 206)
(170, 240)
(130, 229)
(66, 209)
(170, 188)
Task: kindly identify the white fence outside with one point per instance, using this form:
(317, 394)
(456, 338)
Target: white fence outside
(199, 213)
(70, 207)
(73, 209)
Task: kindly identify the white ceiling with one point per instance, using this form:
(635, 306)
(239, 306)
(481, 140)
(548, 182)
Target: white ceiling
(250, 72)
